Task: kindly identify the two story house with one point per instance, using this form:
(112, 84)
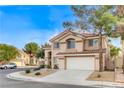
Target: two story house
(75, 50)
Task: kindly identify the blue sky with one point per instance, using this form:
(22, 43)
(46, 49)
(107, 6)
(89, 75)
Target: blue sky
(22, 24)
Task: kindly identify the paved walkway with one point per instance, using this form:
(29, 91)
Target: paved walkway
(74, 77)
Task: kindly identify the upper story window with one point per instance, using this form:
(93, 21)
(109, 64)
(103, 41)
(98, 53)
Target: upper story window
(93, 42)
(56, 45)
(70, 43)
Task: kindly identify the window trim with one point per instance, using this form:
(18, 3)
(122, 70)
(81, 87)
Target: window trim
(57, 46)
(93, 44)
(70, 46)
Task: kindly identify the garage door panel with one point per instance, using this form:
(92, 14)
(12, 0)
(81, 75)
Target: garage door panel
(80, 63)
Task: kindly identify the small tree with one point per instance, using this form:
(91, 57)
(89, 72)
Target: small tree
(8, 52)
(46, 45)
(31, 49)
(114, 52)
(40, 53)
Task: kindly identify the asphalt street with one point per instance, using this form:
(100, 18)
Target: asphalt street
(9, 83)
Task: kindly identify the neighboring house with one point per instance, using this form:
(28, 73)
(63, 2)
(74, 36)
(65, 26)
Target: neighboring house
(76, 50)
(22, 59)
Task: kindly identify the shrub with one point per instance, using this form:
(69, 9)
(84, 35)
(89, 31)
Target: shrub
(27, 71)
(56, 67)
(98, 76)
(27, 64)
(122, 66)
(48, 66)
(42, 66)
(37, 73)
(38, 68)
(109, 69)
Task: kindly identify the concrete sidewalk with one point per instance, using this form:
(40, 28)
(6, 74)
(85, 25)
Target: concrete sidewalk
(18, 76)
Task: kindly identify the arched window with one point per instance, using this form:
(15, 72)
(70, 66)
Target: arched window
(71, 43)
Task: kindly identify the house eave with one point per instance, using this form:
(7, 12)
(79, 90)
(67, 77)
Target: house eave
(83, 52)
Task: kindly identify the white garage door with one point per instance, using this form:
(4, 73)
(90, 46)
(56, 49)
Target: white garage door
(80, 63)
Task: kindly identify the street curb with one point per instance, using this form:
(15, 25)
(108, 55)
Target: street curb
(17, 78)
(27, 66)
(20, 77)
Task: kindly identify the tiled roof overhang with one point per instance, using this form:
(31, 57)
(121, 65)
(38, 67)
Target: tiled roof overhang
(81, 35)
(83, 52)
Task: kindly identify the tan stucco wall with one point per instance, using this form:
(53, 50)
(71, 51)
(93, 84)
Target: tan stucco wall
(79, 45)
(22, 59)
(46, 55)
(87, 47)
(63, 46)
(18, 63)
(25, 57)
(78, 48)
(61, 63)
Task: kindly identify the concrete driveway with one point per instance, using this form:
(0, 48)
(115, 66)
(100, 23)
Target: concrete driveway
(68, 77)
(61, 78)
(11, 83)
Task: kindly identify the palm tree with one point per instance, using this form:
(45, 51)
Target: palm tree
(31, 49)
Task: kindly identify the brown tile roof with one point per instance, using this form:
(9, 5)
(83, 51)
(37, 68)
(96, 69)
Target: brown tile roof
(86, 34)
(83, 52)
(49, 46)
(81, 34)
(65, 32)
